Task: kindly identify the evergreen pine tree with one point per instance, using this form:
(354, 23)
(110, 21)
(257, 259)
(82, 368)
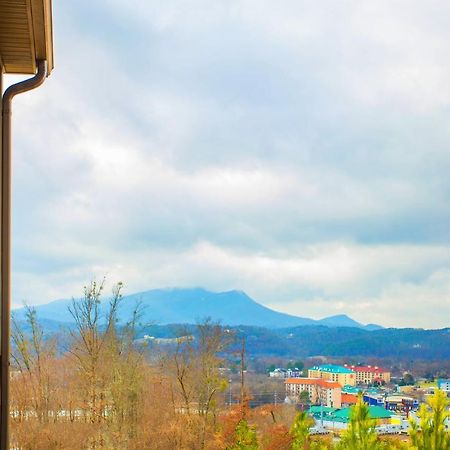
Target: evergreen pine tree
(245, 436)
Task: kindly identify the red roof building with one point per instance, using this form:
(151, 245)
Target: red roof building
(348, 400)
(370, 374)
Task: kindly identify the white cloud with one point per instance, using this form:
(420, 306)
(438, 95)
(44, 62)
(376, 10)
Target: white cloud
(406, 304)
(296, 150)
(318, 281)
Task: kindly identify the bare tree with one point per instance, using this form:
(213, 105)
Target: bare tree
(31, 358)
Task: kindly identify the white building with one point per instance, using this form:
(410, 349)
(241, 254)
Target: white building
(285, 373)
(444, 385)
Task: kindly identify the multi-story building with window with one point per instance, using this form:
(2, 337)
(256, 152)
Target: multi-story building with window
(370, 374)
(331, 372)
(327, 393)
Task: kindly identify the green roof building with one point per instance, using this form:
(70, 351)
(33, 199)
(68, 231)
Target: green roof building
(332, 368)
(331, 372)
(317, 411)
(375, 412)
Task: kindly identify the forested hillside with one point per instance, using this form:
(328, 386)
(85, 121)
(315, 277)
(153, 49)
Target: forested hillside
(321, 340)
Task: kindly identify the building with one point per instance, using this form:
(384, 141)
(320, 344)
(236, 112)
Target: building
(359, 390)
(278, 373)
(338, 419)
(338, 374)
(327, 393)
(351, 389)
(348, 400)
(285, 373)
(444, 385)
(377, 414)
(370, 374)
(401, 403)
(373, 399)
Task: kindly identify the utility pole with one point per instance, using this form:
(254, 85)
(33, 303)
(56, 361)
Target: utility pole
(321, 411)
(242, 376)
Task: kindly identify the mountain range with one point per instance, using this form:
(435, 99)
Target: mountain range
(267, 332)
(188, 306)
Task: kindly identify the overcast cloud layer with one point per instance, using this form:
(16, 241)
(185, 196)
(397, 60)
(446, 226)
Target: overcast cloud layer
(295, 150)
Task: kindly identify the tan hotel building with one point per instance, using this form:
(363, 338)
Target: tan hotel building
(338, 374)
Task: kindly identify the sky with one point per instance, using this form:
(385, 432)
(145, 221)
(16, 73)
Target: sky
(296, 150)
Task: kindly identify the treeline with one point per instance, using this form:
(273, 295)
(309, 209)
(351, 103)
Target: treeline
(397, 343)
(107, 390)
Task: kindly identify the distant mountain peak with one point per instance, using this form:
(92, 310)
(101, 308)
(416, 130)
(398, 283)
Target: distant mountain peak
(338, 316)
(340, 320)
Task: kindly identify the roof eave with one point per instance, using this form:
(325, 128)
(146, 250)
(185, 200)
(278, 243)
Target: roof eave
(26, 35)
(43, 31)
